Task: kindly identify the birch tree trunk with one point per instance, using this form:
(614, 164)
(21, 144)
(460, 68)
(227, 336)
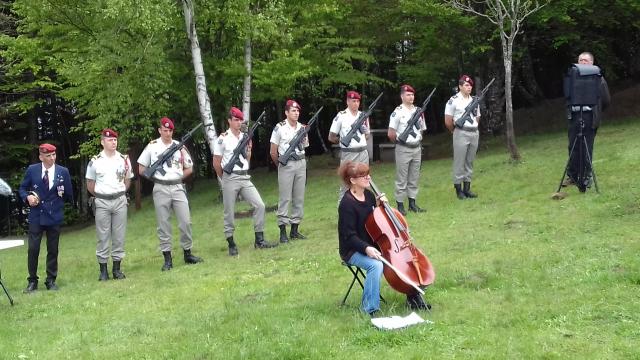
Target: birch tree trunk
(201, 85)
(507, 49)
(246, 88)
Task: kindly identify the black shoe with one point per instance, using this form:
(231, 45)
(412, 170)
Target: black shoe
(261, 243)
(117, 274)
(168, 261)
(190, 258)
(414, 207)
(31, 287)
(459, 193)
(51, 285)
(374, 313)
(283, 234)
(467, 190)
(104, 273)
(416, 302)
(233, 249)
(294, 234)
(401, 208)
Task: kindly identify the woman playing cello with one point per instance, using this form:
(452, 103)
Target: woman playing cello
(356, 246)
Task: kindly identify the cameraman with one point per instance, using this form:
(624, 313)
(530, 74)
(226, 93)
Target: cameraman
(591, 116)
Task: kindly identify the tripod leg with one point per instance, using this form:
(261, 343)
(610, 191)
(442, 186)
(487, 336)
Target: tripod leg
(573, 146)
(5, 290)
(593, 172)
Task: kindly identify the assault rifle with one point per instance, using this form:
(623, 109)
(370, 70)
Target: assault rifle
(472, 106)
(355, 127)
(166, 155)
(297, 139)
(241, 148)
(414, 122)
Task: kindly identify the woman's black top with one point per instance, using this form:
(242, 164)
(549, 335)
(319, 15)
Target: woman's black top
(352, 215)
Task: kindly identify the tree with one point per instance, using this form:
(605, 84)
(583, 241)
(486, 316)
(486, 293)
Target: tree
(508, 15)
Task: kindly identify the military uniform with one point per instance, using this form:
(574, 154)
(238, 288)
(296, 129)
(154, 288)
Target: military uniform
(169, 192)
(465, 140)
(110, 206)
(408, 154)
(238, 182)
(291, 177)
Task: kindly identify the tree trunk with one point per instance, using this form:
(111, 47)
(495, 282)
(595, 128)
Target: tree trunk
(246, 91)
(201, 85)
(507, 47)
(83, 199)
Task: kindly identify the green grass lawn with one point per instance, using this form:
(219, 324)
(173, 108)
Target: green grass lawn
(518, 275)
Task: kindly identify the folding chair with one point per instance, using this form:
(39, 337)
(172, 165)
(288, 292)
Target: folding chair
(359, 276)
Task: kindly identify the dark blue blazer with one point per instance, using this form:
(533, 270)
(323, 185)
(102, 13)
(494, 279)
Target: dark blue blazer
(50, 210)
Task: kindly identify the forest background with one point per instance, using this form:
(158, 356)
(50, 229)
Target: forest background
(70, 68)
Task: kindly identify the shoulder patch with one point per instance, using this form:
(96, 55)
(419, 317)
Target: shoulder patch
(450, 101)
(393, 114)
(220, 140)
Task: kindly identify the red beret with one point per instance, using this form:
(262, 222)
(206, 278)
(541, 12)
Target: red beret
(406, 88)
(236, 113)
(165, 122)
(353, 95)
(47, 148)
(466, 78)
(292, 103)
(108, 133)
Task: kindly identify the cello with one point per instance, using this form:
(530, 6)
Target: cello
(407, 270)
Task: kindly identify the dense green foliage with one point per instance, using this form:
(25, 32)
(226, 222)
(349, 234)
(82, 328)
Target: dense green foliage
(518, 275)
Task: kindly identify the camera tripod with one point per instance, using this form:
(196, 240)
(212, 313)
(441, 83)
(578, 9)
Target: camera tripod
(583, 149)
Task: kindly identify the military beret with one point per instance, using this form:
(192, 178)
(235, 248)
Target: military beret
(292, 103)
(236, 113)
(406, 88)
(353, 95)
(167, 123)
(108, 133)
(464, 79)
(46, 148)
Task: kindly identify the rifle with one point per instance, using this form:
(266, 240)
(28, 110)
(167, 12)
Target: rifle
(355, 127)
(166, 155)
(241, 148)
(472, 106)
(414, 122)
(297, 139)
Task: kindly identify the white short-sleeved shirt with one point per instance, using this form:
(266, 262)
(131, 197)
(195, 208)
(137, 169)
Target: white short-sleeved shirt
(455, 107)
(109, 173)
(282, 134)
(225, 145)
(399, 119)
(179, 161)
(341, 125)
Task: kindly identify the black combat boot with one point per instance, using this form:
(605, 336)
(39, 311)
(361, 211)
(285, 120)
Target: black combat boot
(261, 243)
(401, 208)
(467, 190)
(168, 262)
(415, 302)
(104, 273)
(190, 258)
(413, 207)
(283, 234)
(459, 193)
(117, 274)
(233, 249)
(294, 234)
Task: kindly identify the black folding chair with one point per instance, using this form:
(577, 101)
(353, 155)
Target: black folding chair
(359, 276)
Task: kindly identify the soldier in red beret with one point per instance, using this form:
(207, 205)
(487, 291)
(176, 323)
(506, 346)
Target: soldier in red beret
(45, 188)
(408, 154)
(465, 139)
(291, 177)
(108, 177)
(341, 125)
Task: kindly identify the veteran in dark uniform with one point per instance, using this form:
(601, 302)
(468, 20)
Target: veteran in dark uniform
(408, 154)
(356, 151)
(108, 178)
(238, 182)
(45, 188)
(169, 193)
(291, 177)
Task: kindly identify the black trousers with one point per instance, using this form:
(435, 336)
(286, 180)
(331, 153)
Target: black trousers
(579, 165)
(35, 237)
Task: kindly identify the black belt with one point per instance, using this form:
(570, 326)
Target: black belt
(354, 150)
(110, 196)
(468, 129)
(167, 182)
(412, 146)
(240, 172)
